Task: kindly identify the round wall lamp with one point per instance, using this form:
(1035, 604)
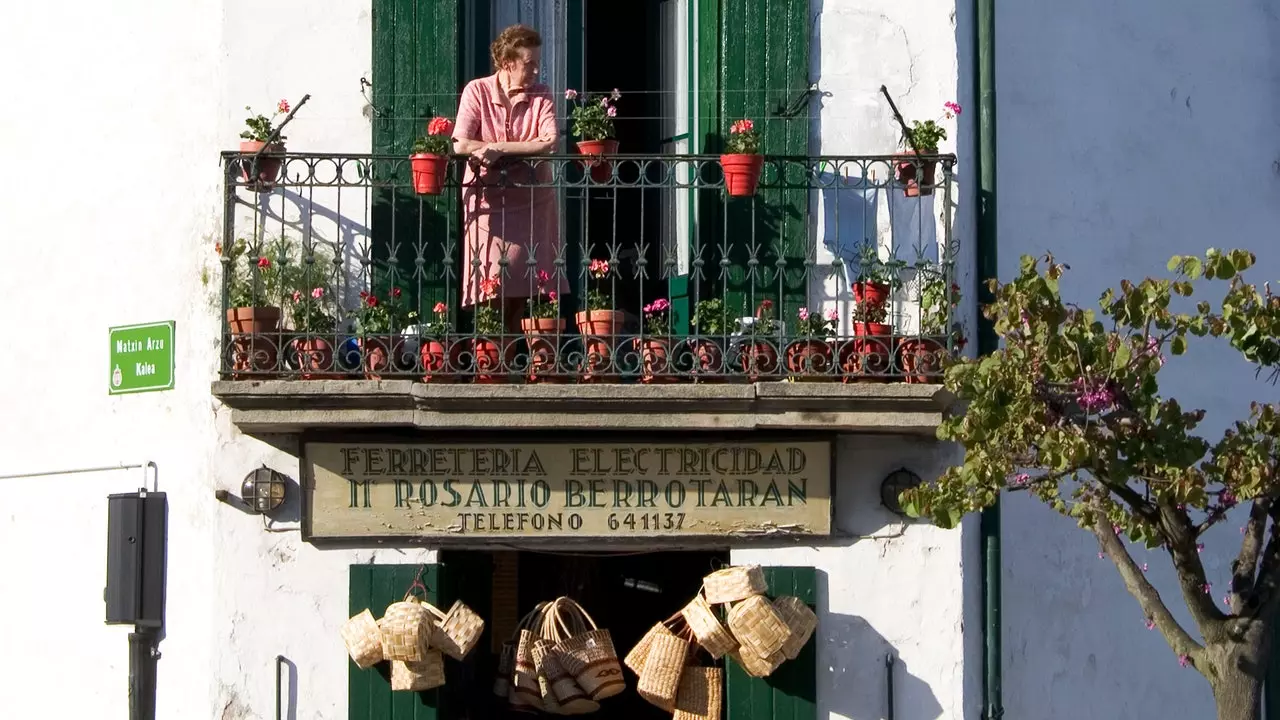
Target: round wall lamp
(263, 490)
(893, 485)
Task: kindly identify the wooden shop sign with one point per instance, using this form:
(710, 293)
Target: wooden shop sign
(567, 489)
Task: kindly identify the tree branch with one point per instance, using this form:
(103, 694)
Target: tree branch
(1181, 546)
(1245, 568)
(1265, 595)
(1146, 594)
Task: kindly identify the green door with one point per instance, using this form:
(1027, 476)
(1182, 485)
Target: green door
(791, 692)
(753, 62)
(416, 76)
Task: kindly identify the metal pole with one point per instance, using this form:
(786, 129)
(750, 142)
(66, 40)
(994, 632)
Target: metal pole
(985, 93)
(142, 674)
(888, 681)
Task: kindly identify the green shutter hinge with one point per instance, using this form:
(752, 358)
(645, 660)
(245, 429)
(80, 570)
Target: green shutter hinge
(364, 91)
(799, 103)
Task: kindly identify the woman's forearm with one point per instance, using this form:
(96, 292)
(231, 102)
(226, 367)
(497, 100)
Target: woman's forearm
(533, 147)
(465, 146)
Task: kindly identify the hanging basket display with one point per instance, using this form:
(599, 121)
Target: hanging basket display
(733, 584)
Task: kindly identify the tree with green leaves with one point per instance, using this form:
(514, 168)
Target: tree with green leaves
(1070, 410)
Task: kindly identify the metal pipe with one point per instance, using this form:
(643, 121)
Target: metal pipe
(148, 465)
(142, 674)
(279, 664)
(986, 249)
(888, 681)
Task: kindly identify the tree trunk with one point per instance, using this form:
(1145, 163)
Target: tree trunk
(1238, 672)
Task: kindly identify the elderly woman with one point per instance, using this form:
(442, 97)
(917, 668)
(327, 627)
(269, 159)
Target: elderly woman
(501, 117)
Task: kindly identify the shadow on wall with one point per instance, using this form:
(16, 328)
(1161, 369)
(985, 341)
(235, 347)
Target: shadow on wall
(853, 656)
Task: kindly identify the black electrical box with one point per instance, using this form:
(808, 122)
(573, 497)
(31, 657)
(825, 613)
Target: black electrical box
(137, 537)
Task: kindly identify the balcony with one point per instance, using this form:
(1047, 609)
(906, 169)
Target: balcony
(586, 293)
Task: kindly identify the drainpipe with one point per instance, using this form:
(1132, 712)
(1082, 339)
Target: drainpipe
(985, 93)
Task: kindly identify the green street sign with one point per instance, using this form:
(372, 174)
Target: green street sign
(141, 358)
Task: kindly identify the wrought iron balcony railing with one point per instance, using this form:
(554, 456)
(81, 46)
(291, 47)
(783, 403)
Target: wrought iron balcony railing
(637, 268)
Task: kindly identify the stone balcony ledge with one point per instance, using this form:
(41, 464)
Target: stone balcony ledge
(292, 406)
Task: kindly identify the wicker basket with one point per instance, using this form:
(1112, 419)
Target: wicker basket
(560, 694)
(735, 583)
(458, 631)
(800, 619)
(701, 694)
(418, 676)
(757, 666)
(706, 627)
(589, 655)
(406, 630)
(525, 691)
(363, 639)
(758, 627)
(660, 680)
(635, 658)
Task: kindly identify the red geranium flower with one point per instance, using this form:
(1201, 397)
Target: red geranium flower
(395, 292)
(264, 262)
(371, 301)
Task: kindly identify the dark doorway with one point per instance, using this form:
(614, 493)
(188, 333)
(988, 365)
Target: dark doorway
(625, 594)
(622, 44)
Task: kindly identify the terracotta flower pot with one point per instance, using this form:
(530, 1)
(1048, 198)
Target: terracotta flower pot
(811, 360)
(707, 360)
(487, 358)
(599, 329)
(601, 169)
(440, 360)
(921, 359)
(268, 166)
(868, 357)
(907, 165)
(759, 359)
(871, 293)
(541, 335)
(655, 361)
(315, 358)
(254, 337)
(378, 354)
(741, 173)
(428, 173)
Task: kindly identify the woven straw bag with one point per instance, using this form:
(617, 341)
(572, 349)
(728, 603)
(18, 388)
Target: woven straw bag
(406, 630)
(760, 667)
(560, 692)
(589, 655)
(735, 583)
(418, 676)
(363, 639)
(701, 694)
(457, 631)
(506, 667)
(660, 680)
(706, 627)
(635, 658)
(525, 692)
(758, 627)
(800, 619)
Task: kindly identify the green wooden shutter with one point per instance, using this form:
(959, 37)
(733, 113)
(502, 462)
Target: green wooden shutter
(762, 68)
(369, 695)
(416, 61)
(791, 692)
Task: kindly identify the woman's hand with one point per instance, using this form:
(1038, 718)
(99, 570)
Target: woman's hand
(489, 154)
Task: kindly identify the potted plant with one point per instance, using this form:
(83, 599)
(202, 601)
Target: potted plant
(914, 170)
(709, 324)
(438, 363)
(876, 278)
(255, 284)
(593, 125)
(379, 322)
(429, 161)
(759, 351)
(541, 330)
(655, 345)
(742, 160)
(867, 357)
(599, 324)
(485, 348)
(313, 320)
(921, 357)
(255, 139)
(811, 356)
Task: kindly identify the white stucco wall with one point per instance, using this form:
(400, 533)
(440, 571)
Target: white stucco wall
(111, 216)
(1128, 133)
